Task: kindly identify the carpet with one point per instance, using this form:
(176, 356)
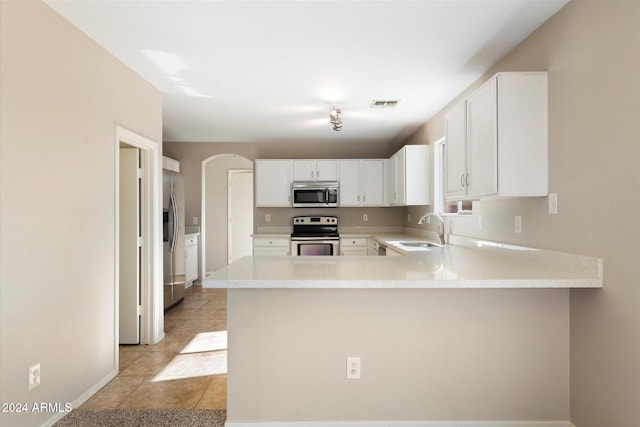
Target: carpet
(143, 418)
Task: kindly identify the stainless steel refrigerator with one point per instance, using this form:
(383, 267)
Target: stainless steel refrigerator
(173, 237)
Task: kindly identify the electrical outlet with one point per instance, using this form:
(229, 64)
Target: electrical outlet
(267, 217)
(365, 217)
(34, 376)
(353, 368)
(517, 224)
(195, 220)
(553, 203)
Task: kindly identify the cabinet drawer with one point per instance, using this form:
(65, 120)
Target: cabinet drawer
(275, 242)
(358, 241)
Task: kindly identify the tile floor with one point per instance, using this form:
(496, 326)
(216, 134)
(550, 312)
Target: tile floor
(186, 370)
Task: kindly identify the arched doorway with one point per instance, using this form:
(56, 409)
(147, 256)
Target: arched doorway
(217, 173)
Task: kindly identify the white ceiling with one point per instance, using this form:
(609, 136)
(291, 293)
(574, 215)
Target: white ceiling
(254, 71)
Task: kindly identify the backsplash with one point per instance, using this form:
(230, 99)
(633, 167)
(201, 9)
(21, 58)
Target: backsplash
(352, 218)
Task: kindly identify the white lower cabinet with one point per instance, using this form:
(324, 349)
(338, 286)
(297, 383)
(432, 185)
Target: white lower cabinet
(191, 259)
(271, 246)
(353, 246)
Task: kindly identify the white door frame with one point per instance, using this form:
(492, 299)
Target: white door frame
(151, 295)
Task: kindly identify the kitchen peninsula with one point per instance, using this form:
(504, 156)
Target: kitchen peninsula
(472, 331)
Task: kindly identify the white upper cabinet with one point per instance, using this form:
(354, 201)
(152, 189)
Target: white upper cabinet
(455, 128)
(273, 182)
(315, 170)
(170, 164)
(409, 176)
(497, 139)
(361, 182)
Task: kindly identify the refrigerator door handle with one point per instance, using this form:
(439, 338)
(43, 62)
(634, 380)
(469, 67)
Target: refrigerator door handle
(174, 213)
(176, 223)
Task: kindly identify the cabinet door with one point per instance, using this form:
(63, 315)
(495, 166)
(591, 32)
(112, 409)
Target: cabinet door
(354, 251)
(372, 182)
(401, 174)
(191, 263)
(349, 182)
(326, 170)
(277, 251)
(271, 246)
(353, 246)
(273, 182)
(482, 141)
(393, 179)
(304, 170)
(455, 151)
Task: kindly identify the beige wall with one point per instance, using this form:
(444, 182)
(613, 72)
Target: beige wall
(426, 354)
(351, 219)
(62, 97)
(591, 50)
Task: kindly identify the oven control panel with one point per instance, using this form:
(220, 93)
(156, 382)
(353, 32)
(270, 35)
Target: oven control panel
(315, 220)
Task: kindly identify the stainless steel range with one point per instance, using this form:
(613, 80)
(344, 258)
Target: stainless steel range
(315, 235)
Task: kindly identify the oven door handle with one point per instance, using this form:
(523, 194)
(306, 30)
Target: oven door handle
(315, 239)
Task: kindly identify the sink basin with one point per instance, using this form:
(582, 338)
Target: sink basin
(420, 244)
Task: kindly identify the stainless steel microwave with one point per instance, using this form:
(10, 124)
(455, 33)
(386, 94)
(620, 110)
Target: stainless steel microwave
(314, 194)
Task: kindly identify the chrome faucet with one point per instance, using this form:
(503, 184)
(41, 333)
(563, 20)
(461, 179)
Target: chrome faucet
(440, 231)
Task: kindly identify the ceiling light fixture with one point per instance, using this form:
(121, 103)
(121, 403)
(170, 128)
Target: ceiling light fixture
(334, 118)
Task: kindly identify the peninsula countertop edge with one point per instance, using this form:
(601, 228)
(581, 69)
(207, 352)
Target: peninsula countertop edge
(464, 263)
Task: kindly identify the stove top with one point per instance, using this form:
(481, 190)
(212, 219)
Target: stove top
(315, 227)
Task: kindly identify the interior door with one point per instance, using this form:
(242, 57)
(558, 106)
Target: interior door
(129, 246)
(240, 214)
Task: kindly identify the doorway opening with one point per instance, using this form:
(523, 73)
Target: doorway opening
(142, 237)
(216, 232)
(239, 213)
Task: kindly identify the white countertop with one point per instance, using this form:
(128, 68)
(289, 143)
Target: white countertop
(467, 263)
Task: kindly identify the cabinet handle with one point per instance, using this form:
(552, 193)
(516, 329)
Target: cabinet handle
(358, 197)
(462, 180)
(364, 198)
(466, 180)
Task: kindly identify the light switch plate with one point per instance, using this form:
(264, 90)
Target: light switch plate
(553, 203)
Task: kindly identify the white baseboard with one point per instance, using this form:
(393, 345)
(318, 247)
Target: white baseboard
(405, 424)
(83, 398)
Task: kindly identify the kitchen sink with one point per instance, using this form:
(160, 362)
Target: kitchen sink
(420, 244)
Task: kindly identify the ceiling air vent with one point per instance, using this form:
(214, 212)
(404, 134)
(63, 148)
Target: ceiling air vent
(384, 104)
